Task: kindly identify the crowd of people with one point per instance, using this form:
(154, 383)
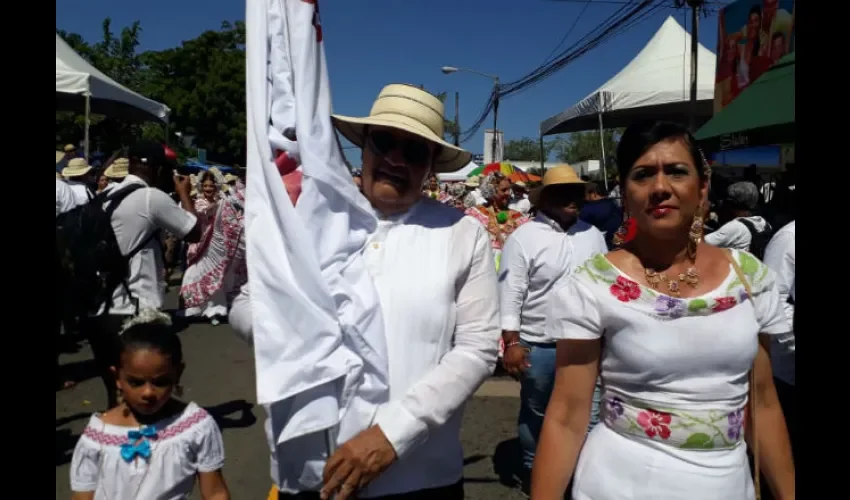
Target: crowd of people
(654, 355)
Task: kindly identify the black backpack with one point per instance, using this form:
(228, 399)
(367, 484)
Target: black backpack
(89, 262)
(758, 239)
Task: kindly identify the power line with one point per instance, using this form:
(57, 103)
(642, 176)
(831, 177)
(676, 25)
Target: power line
(569, 31)
(610, 27)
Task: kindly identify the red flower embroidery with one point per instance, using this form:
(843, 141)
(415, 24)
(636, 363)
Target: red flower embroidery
(655, 423)
(724, 303)
(625, 290)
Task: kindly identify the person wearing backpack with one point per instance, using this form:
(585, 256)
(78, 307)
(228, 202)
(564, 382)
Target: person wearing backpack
(741, 229)
(118, 267)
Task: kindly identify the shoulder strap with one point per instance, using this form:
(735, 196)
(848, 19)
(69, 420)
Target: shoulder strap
(751, 405)
(749, 225)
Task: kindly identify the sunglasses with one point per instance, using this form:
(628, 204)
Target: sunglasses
(415, 153)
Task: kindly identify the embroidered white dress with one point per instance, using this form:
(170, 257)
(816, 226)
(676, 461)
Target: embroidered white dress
(179, 447)
(675, 379)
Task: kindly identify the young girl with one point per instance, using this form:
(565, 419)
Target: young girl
(151, 446)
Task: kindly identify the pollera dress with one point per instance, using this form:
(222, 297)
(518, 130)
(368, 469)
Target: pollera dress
(675, 381)
(154, 462)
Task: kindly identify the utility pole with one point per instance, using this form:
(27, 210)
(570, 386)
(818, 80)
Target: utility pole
(695, 7)
(495, 117)
(457, 119)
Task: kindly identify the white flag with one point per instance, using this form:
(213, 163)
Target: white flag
(318, 331)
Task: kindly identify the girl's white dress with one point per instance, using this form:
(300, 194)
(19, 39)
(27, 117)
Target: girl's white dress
(675, 377)
(113, 462)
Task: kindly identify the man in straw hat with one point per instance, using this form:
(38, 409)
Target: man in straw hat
(77, 174)
(535, 258)
(434, 274)
(143, 210)
(118, 170)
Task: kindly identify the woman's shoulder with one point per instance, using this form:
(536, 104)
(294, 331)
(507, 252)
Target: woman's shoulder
(757, 274)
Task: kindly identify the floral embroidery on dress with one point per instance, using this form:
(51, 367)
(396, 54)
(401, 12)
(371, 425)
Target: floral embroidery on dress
(724, 303)
(698, 430)
(670, 307)
(655, 423)
(599, 271)
(736, 424)
(625, 290)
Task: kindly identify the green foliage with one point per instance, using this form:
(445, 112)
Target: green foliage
(528, 149)
(202, 81)
(583, 146)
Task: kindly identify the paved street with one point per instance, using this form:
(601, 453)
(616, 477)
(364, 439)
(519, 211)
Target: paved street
(220, 377)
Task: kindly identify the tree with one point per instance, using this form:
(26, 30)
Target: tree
(202, 81)
(583, 146)
(527, 149)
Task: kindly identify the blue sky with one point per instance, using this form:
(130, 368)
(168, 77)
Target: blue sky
(370, 43)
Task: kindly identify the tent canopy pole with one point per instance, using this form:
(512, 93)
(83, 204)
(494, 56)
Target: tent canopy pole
(88, 122)
(602, 141)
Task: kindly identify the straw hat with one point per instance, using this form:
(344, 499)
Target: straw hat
(555, 176)
(69, 148)
(76, 167)
(119, 169)
(59, 156)
(473, 181)
(411, 109)
(229, 178)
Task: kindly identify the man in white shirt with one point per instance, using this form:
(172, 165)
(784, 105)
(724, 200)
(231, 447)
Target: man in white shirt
(780, 256)
(65, 198)
(741, 229)
(434, 274)
(65, 202)
(535, 258)
(136, 222)
(78, 176)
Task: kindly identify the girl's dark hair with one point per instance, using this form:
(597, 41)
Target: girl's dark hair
(152, 336)
(640, 136)
(208, 176)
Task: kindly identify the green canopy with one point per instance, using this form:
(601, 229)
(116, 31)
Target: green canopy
(762, 114)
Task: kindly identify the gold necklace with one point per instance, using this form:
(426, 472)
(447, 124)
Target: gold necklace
(690, 276)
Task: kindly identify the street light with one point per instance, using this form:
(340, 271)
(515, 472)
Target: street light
(447, 70)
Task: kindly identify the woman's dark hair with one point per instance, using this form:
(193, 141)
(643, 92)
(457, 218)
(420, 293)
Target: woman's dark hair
(152, 336)
(639, 137)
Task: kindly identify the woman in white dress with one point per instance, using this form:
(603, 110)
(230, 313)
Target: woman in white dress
(675, 332)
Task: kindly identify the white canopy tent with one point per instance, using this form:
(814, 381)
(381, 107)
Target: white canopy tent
(77, 80)
(460, 175)
(656, 83)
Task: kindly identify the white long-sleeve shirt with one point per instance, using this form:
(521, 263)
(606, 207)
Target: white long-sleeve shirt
(66, 200)
(734, 234)
(435, 277)
(780, 256)
(535, 258)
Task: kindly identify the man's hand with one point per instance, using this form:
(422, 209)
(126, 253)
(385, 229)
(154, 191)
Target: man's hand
(515, 360)
(182, 184)
(357, 463)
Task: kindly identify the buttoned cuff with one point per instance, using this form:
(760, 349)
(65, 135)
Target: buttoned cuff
(510, 323)
(404, 431)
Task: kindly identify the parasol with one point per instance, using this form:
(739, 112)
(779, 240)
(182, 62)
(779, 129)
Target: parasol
(504, 167)
(520, 176)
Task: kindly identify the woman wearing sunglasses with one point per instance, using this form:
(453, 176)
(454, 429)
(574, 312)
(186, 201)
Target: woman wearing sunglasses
(435, 281)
